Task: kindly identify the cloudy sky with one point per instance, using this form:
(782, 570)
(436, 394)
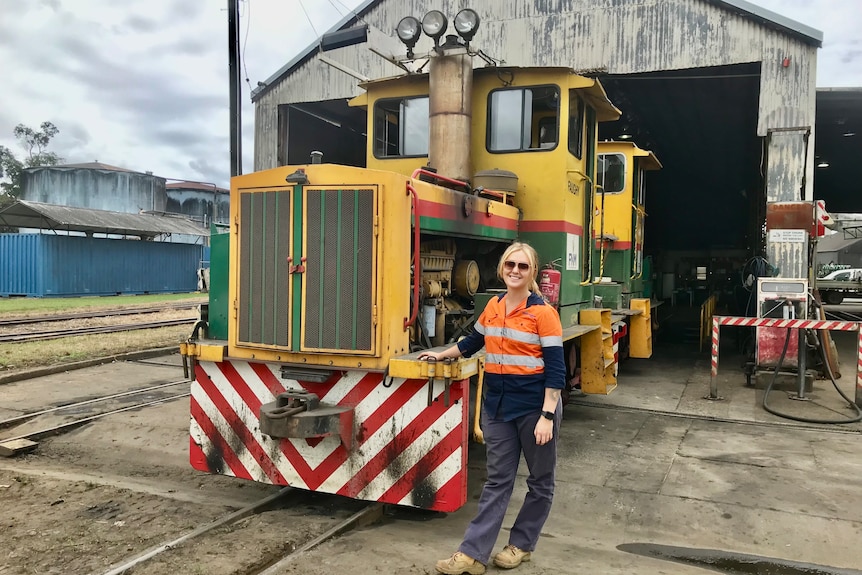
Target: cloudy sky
(142, 84)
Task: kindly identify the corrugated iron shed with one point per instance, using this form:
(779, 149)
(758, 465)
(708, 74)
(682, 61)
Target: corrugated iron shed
(745, 9)
(26, 214)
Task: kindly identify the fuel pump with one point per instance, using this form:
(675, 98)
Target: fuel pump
(780, 298)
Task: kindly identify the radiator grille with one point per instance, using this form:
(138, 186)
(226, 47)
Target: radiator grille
(340, 255)
(263, 269)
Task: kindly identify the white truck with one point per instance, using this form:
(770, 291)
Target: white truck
(839, 284)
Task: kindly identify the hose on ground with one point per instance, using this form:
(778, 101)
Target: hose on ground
(831, 377)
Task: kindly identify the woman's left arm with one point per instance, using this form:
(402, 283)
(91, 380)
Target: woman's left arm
(551, 335)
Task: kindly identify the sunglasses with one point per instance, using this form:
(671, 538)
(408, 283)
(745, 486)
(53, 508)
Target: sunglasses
(510, 265)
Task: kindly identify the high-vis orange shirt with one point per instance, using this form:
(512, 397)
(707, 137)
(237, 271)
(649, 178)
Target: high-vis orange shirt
(523, 355)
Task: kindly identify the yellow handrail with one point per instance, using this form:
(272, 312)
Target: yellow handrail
(477, 429)
(636, 236)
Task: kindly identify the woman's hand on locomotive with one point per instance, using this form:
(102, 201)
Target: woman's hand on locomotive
(544, 431)
(450, 352)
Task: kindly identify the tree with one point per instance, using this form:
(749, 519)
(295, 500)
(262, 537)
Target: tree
(35, 143)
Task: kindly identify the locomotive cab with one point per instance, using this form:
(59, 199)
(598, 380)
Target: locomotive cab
(618, 256)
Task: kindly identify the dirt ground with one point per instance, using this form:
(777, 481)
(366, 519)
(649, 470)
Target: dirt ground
(19, 356)
(104, 493)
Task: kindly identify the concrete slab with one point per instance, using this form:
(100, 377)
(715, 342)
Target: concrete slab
(651, 463)
(655, 462)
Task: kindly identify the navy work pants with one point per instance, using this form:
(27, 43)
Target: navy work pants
(505, 441)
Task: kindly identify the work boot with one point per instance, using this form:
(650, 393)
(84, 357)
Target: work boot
(459, 563)
(510, 557)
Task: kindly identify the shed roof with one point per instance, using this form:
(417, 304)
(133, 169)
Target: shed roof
(745, 9)
(836, 242)
(92, 166)
(188, 185)
(27, 214)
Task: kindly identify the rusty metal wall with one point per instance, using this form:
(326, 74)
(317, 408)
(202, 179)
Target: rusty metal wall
(608, 35)
(203, 206)
(785, 177)
(115, 191)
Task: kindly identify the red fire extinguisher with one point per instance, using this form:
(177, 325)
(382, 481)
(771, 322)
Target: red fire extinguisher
(549, 284)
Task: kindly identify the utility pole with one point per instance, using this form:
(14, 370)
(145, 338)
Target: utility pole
(234, 87)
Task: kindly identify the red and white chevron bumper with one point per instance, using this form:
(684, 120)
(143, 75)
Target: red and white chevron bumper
(402, 452)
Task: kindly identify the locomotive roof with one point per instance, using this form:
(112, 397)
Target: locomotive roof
(649, 161)
(591, 89)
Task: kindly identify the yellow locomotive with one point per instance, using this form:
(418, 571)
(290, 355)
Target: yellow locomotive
(339, 275)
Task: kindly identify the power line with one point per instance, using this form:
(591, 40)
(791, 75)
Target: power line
(307, 17)
(348, 9)
(245, 40)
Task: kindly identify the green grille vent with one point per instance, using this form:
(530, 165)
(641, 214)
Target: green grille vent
(263, 268)
(340, 255)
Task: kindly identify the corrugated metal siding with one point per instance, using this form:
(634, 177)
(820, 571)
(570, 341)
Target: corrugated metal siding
(41, 265)
(786, 165)
(20, 272)
(621, 37)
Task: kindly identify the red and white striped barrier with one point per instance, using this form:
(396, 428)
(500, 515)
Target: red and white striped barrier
(788, 323)
(620, 330)
(718, 321)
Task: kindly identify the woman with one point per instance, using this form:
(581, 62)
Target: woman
(521, 412)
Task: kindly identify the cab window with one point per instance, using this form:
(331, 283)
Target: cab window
(576, 125)
(611, 173)
(521, 119)
(401, 127)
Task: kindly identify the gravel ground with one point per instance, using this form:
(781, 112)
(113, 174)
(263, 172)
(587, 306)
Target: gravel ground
(104, 493)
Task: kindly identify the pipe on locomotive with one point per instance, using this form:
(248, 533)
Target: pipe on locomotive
(450, 88)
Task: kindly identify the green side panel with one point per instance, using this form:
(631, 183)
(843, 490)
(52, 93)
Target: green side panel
(464, 228)
(552, 246)
(618, 266)
(611, 295)
(218, 295)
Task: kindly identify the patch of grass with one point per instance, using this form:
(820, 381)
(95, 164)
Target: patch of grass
(70, 349)
(39, 306)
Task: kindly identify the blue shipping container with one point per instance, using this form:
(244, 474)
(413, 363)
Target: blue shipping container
(40, 265)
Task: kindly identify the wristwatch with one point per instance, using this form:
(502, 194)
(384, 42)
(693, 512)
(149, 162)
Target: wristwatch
(548, 415)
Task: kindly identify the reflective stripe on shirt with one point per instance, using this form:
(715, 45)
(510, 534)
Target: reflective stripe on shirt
(515, 335)
(519, 360)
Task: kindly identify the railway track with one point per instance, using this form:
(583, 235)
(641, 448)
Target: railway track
(89, 330)
(267, 565)
(25, 440)
(177, 552)
(99, 313)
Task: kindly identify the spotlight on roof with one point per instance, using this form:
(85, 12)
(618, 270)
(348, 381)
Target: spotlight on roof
(466, 23)
(408, 31)
(848, 134)
(434, 25)
(823, 165)
(625, 136)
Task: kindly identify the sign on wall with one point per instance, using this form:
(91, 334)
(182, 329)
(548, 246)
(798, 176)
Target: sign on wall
(573, 247)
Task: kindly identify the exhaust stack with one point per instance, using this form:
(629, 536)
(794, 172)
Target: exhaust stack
(449, 107)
